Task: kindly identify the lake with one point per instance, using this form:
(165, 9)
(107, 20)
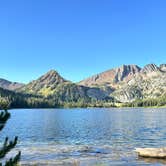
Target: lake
(86, 137)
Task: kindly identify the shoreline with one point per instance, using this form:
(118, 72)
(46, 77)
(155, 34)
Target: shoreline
(87, 107)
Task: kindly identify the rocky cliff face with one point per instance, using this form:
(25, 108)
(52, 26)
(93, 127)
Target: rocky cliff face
(150, 68)
(5, 84)
(130, 82)
(111, 77)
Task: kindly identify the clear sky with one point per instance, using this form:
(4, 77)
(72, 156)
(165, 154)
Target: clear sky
(79, 38)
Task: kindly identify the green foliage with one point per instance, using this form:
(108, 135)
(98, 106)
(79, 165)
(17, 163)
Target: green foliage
(66, 95)
(4, 104)
(82, 103)
(8, 145)
(13, 161)
(4, 116)
(160, 101)
(19, 100)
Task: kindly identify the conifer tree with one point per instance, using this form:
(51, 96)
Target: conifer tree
(7, 145)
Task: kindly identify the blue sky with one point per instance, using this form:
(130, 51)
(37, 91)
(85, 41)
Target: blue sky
(79, 38)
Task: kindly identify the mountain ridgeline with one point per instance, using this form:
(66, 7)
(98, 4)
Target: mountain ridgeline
(52, 85)
(130, 82)
(125, 84)
(5, 84)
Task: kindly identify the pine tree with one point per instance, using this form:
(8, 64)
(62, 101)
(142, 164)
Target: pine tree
(7, 145)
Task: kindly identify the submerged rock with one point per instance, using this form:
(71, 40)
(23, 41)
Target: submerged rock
(152, 152)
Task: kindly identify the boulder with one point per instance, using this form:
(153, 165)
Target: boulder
(152, 152)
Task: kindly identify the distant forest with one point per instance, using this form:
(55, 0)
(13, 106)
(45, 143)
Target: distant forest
(20, 100)
(150, 102)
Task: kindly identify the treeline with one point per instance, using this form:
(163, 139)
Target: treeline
(160, 101)
(20, 100)
(92, 103)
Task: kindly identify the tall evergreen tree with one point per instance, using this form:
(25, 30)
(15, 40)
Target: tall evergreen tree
(7, 145)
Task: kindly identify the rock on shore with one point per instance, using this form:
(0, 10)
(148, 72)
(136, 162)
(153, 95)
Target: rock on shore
(152, 152)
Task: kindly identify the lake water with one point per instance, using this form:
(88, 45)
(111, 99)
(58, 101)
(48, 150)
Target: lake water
(86, 137)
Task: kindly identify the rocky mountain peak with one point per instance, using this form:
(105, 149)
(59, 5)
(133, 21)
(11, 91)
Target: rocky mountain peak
(51, 77)
(112, 76)
(52, 71)
(124, 71)
(45, 84)
(150, 68)
(163, 67)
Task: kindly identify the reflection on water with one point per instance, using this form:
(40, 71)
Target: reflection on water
(86, 136)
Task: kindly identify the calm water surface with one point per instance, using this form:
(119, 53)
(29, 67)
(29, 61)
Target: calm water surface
(86, 137)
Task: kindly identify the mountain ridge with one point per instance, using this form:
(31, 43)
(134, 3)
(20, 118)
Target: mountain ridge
(52, 84)
(111, 76)
(136, 83)
(5, 84)
(125, 84)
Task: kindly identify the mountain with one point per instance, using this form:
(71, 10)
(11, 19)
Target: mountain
(111, 77)
(126, 83)
(5, 84)
(45, 85)
(52, 85)
(150, 82)
(130, 82)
